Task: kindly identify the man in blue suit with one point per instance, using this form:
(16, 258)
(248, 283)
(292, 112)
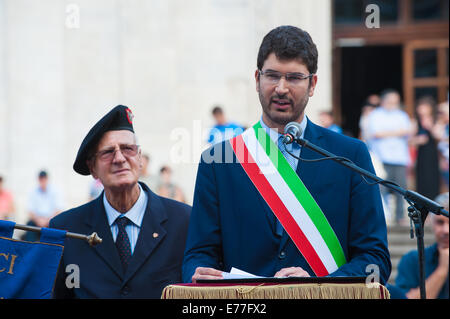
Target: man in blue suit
(143, 234)
(259, 224)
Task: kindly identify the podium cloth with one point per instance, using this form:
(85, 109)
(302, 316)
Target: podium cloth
(223, 289)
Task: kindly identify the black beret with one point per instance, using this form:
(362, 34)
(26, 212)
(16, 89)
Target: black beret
(119, 118)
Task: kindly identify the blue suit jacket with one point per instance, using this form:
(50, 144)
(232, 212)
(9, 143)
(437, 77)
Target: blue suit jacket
(232, 226)
(156, 261)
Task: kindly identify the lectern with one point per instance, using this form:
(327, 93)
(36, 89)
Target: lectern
(279, 288)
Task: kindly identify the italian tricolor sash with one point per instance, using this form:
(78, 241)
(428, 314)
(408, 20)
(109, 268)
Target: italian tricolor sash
(288, 198)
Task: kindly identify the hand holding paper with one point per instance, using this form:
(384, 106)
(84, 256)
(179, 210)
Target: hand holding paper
(238, 274)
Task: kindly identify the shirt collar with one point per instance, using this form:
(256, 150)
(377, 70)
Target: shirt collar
(135, 214)
(275, 134)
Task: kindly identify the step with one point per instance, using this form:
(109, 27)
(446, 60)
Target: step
(399, 251)
(405, 229)
(400, 243)
(405, 239)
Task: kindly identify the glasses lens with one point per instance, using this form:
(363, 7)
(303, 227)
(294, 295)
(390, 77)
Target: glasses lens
(272, 77)
(126, 150)
(129, 150)
(106, 155)
(294, 78)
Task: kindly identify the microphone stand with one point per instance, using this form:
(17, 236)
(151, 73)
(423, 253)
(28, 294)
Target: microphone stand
(418, 210)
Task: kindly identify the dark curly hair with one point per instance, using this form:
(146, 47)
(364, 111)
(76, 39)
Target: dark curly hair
(289, 42)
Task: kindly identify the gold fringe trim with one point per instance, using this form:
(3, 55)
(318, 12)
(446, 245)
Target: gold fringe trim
(286, 291)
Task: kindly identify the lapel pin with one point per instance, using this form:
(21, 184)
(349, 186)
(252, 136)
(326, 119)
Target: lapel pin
(155, 235)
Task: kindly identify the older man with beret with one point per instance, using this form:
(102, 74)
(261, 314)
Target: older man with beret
(143, 234)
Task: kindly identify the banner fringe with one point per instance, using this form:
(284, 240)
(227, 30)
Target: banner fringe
(286, 291)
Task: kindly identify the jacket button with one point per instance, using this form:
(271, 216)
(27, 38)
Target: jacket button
(282, 255)
(125, 291)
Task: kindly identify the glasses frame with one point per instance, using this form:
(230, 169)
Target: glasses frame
(114, 151)
(286, 75)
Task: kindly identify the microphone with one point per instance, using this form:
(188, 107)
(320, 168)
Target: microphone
(292, 131)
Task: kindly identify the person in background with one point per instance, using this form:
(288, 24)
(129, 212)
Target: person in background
(95, 188)
(222, 130)
(389, 129)
(436, 261)
(167, 188)
(6, 202)
(441, 133)
(373, 99)
(326, 120)
(427, 161)
(45, 202)
(366, 109)
(146, 176)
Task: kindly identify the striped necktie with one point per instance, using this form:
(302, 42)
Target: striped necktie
(289, 147)
(123, 242)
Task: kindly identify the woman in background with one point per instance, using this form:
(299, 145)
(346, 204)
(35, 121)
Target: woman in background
(427, 163)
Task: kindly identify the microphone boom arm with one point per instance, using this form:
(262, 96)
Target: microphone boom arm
(418, 199)
(418, 209)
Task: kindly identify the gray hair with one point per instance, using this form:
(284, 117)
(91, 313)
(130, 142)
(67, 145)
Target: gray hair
(442, 199)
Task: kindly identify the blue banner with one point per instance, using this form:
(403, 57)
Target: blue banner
(28, 269)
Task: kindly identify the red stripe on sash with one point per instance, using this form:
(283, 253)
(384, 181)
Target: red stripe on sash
(276, 205)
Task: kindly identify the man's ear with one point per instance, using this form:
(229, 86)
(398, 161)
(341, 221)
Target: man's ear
(257, 80)
(141, 159)
(312, 85)
(91, 166)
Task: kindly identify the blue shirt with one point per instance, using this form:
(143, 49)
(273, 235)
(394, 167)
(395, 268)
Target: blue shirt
(408, 270)
(390, 150)
(135, 215)
(45, 203)
(224, 132)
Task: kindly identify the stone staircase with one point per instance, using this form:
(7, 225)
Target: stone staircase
(400, 242)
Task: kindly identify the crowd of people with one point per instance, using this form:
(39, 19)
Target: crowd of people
(409, 151)
(412, 152)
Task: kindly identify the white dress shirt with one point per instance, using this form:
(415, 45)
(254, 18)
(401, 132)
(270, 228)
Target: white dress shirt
(135, 215)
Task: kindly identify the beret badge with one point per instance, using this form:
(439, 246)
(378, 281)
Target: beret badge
(130, 115)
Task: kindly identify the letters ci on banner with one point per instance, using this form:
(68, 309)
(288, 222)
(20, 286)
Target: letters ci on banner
(28, 269)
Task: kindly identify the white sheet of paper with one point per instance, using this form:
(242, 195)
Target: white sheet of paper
(236, 273)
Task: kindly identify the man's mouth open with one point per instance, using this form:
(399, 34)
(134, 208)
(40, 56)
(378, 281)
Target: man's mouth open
(281, 104)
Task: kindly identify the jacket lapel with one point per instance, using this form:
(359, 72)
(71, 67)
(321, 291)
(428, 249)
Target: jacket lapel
(151, 233)
(310, 171)
(107, 249)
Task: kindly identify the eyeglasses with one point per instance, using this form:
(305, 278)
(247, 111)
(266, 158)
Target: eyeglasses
(273, 77)
(127, 150)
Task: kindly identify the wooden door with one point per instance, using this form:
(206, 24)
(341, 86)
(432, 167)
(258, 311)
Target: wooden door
(425, 64)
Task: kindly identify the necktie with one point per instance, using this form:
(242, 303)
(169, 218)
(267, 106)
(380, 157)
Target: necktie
(289, 158)
(122, 242)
